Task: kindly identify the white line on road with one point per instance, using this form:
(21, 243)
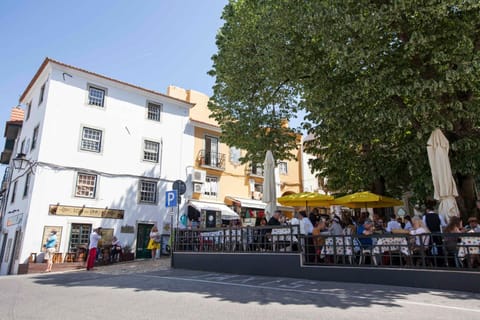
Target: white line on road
(309, 292)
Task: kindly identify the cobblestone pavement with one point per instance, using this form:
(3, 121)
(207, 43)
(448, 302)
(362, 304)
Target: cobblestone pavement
(136, 266)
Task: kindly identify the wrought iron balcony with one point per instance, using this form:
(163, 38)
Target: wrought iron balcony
(212, 160)
(255, 170)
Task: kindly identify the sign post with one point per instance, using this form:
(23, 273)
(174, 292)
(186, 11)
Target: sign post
(171, 202)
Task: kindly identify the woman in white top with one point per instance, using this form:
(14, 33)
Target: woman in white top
(420, 228)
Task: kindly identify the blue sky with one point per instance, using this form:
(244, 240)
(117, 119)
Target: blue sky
(148, 43)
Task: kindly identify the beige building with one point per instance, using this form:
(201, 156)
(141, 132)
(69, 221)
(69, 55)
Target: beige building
(218, 177)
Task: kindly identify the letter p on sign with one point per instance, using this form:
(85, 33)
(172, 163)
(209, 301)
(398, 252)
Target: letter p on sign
(171, 198)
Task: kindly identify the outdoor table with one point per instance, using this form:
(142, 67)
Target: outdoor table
(280, 235)
(340, 246)
(210, 239)
(391, 244)
(468, 246)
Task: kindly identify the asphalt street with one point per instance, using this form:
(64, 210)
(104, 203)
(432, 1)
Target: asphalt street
(151, 290)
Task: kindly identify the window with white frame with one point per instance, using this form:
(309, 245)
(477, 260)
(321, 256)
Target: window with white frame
(34, 138)
(29, 109)
(211, 186)
(283, 168)
(151, 150)
(148, 191)
(154, 111)
(96, 96)
(42, 94)
(86, 185)
(27, 185)
(91, 139)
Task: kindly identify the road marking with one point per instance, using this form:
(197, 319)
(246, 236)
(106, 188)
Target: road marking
(308, 292)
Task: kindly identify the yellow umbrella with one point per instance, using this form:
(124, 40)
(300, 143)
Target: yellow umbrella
(366, 200)
(307, 199)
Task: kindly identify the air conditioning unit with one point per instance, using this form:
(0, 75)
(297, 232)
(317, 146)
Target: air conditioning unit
(197, 187)
(199, 176)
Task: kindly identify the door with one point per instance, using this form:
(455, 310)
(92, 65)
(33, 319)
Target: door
(143, 236)
(79, 239)
(211, 151)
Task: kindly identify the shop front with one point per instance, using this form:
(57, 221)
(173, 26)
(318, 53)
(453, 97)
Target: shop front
(209, 214)
(251, 210)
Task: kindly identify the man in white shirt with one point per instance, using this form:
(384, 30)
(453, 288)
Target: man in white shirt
(95, 236)
(307, 232)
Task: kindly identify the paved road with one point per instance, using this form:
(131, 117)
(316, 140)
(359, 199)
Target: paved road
(151, 290)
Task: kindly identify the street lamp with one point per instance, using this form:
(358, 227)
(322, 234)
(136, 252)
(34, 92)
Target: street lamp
(20, 162)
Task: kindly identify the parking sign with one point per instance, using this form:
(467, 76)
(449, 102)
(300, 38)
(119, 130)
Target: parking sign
(171, 198)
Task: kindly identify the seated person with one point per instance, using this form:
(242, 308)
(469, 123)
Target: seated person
(393, 224)
(365, 231)
(115, 250)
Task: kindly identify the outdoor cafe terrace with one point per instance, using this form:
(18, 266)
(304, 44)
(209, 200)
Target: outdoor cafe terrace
(426, 251)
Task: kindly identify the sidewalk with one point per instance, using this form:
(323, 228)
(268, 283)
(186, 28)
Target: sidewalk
(140, 265)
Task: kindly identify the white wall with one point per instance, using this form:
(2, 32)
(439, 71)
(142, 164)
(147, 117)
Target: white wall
(124, 123)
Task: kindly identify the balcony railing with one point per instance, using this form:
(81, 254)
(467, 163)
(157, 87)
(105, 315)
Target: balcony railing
(255, 170)
(213, 160)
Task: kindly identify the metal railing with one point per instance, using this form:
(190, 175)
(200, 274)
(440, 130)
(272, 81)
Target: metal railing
(211, 159)
(430, 251)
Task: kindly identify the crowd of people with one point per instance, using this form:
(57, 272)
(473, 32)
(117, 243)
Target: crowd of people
(431, 235)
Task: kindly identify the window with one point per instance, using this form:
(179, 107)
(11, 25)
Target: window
(91, 139)
(34, 138)
(96, 96)
(283, 168)
(211, 186)
(151, 151)
(42, 94)
(14, 191)
(148, 191)
(27, 185)
(257, 169)
(86, 185)
(211, 151)
(29, 109)
(154, 111)
(22, 148)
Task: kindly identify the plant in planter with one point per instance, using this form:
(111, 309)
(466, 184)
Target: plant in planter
(127, 254)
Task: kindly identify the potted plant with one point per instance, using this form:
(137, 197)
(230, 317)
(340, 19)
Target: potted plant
(127, 254)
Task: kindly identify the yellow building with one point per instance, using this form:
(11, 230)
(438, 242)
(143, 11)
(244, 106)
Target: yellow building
(219, 178)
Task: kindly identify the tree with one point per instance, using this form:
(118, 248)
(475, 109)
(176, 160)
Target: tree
(375, 78)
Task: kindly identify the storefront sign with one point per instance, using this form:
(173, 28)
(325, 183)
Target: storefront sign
(85, 212)
(127, 229)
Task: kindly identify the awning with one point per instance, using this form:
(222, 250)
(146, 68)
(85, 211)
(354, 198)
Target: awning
(227, 213)
(255, 204)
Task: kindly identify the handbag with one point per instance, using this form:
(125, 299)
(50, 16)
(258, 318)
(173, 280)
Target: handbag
(157, 239)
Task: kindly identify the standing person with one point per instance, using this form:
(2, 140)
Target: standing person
(308, 230)
(50, 249)
(154, 242)
(95, 236)
(434, 222)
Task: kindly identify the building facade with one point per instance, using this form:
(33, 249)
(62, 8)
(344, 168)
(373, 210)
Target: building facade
(101, 153)
(219, 181)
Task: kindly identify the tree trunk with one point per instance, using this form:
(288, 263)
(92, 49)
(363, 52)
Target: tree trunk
(466, 196)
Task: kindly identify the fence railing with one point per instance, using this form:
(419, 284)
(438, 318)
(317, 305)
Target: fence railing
(437, 250)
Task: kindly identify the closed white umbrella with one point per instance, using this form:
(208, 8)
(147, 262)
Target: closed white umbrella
(269, 186)
(444, 185)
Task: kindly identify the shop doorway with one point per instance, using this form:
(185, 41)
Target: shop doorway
(14, 252)
(143, 236)
(79, 239)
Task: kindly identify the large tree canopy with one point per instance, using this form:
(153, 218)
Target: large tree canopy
(374, 77)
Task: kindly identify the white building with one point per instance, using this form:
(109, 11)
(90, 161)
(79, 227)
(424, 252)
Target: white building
(101, 153)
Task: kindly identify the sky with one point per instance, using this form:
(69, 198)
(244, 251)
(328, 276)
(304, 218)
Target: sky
(149, 43)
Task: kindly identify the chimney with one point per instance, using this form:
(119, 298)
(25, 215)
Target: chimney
(17, 114)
